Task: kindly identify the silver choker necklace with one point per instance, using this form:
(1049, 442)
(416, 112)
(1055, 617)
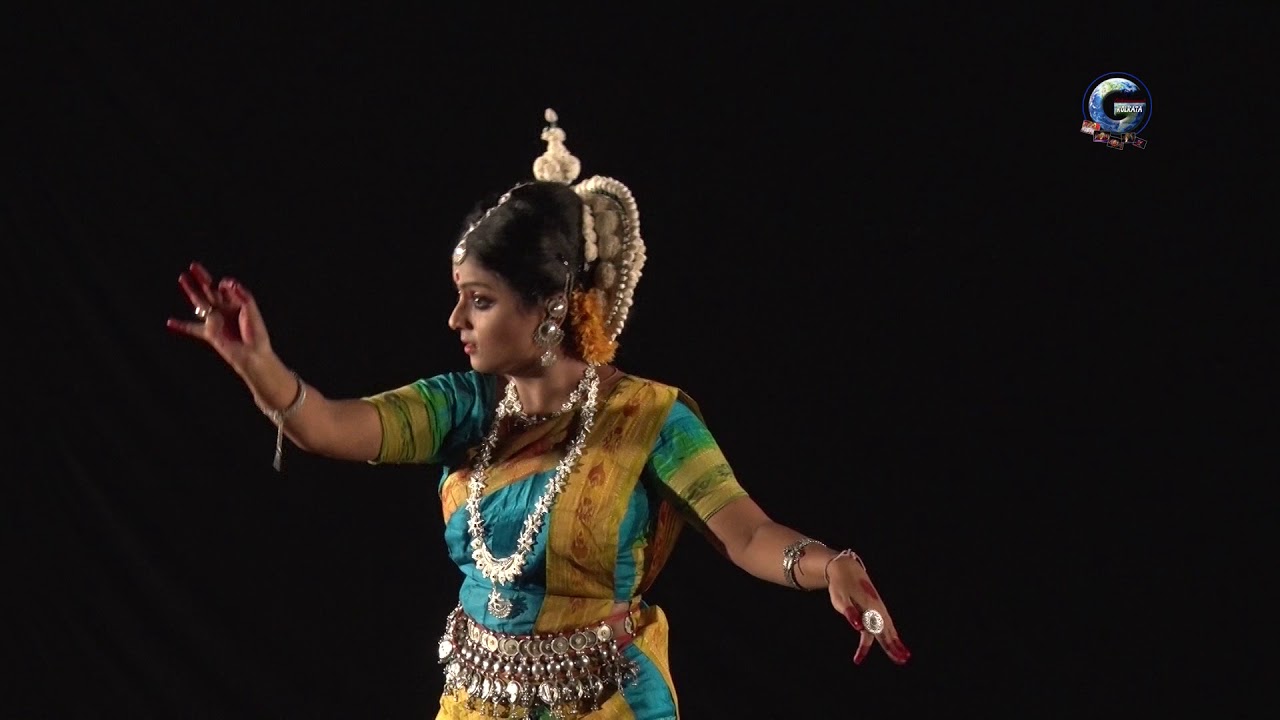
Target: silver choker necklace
(510, 406)
(504, 570)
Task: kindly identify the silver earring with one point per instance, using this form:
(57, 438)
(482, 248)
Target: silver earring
(550, 332)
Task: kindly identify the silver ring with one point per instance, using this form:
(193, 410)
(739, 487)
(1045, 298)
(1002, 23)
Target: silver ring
(203, 312)
(873, 622)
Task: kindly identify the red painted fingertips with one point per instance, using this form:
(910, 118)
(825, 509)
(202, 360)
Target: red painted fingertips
(851, 614)
(201, 274)
(900, 652)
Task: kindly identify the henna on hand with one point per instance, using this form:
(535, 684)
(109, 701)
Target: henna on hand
(869, 589)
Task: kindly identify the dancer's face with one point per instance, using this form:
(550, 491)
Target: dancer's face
(496, 327)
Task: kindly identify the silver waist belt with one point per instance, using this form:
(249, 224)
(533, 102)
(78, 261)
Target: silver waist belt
(569, 673)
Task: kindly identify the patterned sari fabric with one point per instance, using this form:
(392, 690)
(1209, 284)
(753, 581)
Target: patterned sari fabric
(649, 467)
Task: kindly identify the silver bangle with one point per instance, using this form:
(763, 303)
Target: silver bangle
(279, 416)
(791, 555)
(826, 570)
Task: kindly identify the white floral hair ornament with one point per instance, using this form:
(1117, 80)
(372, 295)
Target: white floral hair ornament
(612, 247)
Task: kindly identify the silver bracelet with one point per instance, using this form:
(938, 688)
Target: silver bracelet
(791, 555)
(826, 569)
(279, 416)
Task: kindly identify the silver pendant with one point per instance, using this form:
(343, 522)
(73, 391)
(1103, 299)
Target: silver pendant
(499, 606)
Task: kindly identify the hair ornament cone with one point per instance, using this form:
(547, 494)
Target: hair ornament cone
(612, 246)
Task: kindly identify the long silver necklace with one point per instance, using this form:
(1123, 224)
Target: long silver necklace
(504, 570)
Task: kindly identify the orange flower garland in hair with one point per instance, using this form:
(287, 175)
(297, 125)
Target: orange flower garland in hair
(586, 309)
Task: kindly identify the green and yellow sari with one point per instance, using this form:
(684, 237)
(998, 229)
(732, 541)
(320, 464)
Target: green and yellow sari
(649, 466)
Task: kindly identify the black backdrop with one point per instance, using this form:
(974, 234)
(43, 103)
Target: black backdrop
(924, 315)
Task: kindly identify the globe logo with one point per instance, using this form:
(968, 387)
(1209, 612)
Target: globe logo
(1118, 102)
